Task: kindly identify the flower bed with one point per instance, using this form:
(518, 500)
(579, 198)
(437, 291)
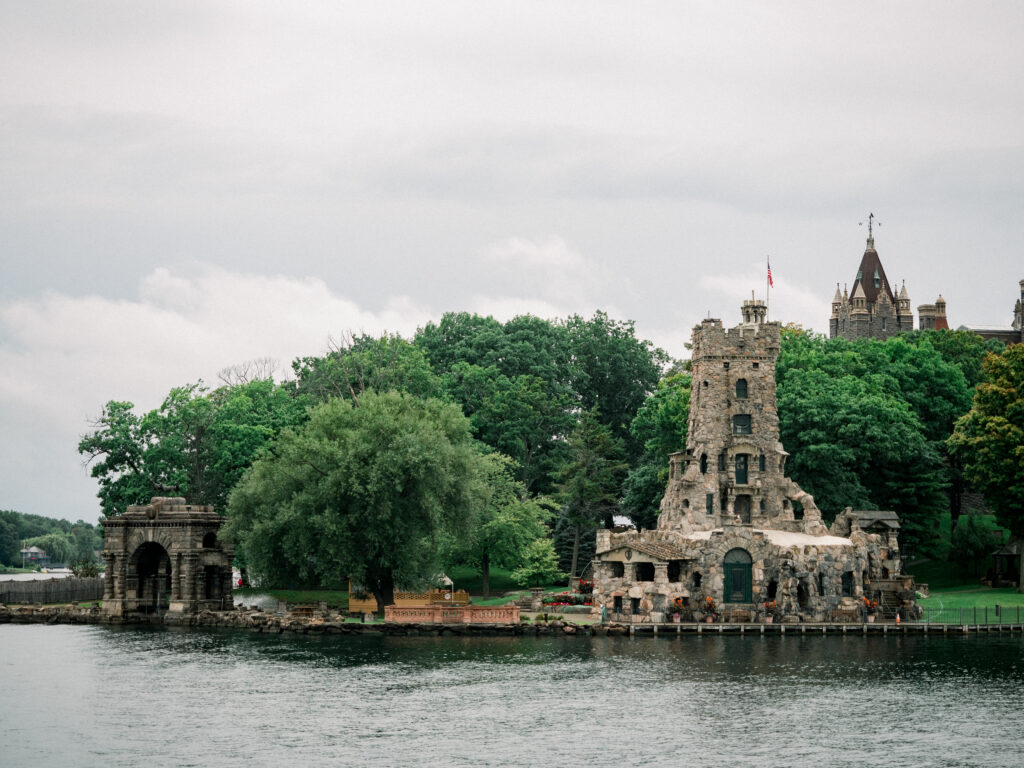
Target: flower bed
(567, 598)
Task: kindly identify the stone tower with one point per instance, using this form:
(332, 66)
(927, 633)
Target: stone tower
(734, 532)
(872, 310)
(732, 471)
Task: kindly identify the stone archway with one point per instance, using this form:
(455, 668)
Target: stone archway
(166, 556)
(149, 573)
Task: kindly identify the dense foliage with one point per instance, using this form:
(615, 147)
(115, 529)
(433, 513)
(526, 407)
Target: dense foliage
(569, 425)
(990, 438)
(63, 541)
(364, 490)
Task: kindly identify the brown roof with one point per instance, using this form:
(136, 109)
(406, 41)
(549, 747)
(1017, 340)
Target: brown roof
(660, 550)
(869, 263)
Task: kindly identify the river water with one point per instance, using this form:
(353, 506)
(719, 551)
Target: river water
(111, 696)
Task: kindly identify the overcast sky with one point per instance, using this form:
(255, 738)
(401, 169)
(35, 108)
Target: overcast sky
(189, 185)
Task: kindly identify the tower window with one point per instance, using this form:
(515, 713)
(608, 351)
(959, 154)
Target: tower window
(721, 462)
(741, 424)
(884, 322)
(703, 463)
(709, 503)
(725, 365)
(741, 389)
(760, 463)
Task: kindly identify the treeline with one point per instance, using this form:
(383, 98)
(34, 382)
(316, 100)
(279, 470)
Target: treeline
(64, 542)
(569, 423)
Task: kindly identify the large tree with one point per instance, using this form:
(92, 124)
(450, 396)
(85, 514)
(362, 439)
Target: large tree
(990, 440)
(506, 525)
(196, 444)
(365, 490)
(613, 372)
(358, 363)
(589, 480)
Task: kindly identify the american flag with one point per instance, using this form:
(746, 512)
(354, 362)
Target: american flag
(770, 281)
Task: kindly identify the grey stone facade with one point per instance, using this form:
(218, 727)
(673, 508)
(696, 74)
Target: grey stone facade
(732, 526)
(165, 557)
(871, 310)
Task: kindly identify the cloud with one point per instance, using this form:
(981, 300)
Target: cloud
(790, 301)
(62, 357)
(547, 276)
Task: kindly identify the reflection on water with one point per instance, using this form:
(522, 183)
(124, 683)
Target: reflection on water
(121, 696)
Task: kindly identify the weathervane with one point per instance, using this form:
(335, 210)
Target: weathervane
(871, 218)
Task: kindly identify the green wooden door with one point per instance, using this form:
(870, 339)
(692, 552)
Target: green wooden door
(737, 566)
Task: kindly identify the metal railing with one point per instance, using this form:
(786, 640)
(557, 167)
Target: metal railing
(973, 616)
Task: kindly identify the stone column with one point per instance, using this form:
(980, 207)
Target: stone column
(189, 577)
(661, 573)
(108, 582)
(630, 572)
(176, 577)
(120, 576)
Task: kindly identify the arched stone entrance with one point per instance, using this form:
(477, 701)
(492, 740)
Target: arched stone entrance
(149, 572)
(165, 556)
(737, 565)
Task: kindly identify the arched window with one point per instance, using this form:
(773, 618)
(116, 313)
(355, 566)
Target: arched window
(741, 424)
(741, 389)
(210, 540)
(737, 565)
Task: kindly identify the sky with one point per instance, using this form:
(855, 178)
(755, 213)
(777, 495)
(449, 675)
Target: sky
(185, 186)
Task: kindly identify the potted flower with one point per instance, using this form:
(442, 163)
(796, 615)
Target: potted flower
(709, 609)
(771, 609)
(871, 609)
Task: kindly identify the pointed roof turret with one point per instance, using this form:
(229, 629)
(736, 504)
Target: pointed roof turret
(838, 298)
(871, 275)
(903, 292)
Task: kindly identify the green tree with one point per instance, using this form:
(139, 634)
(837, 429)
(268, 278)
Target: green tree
(520, 416)
(506, 525)
(540, 565)
(588, 482)
(990, 440)
(361, 363)
(660, 426)
(365, 490)
(196, 444)
(973, 539)
(58, 545)
(613, 372)
(964, 349)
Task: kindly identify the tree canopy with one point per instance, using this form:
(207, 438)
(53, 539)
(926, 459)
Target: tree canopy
(990, 437)
(196, 444)
(364, 490)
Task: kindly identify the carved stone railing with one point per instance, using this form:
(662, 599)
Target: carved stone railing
(444, 614)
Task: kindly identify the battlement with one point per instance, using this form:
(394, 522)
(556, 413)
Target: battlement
(747, 340)
(164, 506)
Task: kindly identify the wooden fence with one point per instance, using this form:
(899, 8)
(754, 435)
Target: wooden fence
(51, 591)
(443, 614)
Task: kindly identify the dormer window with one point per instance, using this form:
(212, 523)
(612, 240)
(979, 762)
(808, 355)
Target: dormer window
(741, 389)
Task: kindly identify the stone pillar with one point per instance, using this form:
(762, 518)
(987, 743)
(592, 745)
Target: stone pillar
(629, 573)
(176, 577)
(108, 582)
(661, 573)
(188, 590)
(120, 577)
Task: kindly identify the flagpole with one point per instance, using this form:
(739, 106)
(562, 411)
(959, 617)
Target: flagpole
(767, 291)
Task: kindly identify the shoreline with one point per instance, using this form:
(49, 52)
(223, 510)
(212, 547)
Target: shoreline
(262, 622)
